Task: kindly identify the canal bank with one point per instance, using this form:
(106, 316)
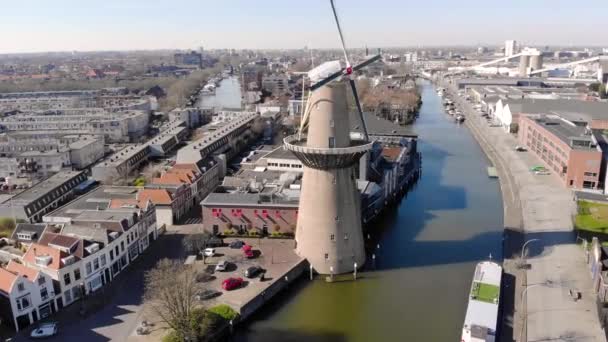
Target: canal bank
(426, 249)
(538, 210)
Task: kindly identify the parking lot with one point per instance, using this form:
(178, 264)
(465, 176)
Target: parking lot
(275, 256)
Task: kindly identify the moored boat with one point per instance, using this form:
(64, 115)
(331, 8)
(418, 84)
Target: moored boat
(480, 322)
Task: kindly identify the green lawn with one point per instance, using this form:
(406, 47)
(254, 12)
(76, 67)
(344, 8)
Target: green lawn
(485, 292)
(592, 217)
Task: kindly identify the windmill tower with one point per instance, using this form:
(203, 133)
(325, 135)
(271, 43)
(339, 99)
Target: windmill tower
(328, 232)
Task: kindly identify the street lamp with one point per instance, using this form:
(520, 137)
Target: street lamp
(523, 248)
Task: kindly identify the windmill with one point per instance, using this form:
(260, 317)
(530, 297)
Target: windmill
(329, 71)
(328, 232)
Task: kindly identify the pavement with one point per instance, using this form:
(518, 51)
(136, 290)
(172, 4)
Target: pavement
(537, 207)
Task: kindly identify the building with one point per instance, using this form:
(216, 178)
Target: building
(329, 233)
(26, 295)
(276, 84)
(33, 203)
(192, 117)
(510, 48)
(190, 58)
(567, 149)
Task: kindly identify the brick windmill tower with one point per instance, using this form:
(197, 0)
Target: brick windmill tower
(329, 233)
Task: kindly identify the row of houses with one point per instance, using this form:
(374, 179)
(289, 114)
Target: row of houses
(75, 251)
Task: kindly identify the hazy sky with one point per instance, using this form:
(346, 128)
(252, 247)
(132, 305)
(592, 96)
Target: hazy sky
(54, 25)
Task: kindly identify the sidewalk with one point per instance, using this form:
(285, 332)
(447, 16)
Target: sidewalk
(557, 263)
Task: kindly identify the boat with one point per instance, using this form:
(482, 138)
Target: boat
(481, 319)
(459, 118)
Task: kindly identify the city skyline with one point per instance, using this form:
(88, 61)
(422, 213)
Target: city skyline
(38, 26)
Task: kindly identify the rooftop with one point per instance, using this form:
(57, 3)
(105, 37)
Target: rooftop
(567, 132)
(97, 199)
(588, 110)
(43, 187)
(285, 199)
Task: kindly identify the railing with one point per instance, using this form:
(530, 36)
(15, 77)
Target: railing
(292, 140)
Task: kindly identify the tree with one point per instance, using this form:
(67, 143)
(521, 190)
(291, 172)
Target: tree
(195, 243)
(171, 288)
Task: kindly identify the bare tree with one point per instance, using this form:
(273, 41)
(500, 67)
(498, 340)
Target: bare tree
(171, 289)
(195, 243)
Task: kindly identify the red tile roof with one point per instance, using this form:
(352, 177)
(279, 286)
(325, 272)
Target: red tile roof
(156, 196)
(7, 280)
(36, 249)
(27, 272)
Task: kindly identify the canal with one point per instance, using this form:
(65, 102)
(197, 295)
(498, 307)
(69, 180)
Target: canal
(428, 247)
(227, 95)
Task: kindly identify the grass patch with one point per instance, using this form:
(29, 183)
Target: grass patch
(224, 311)
(485, 292)
(592, 217)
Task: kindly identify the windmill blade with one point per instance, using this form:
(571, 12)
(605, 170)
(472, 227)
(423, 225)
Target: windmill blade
(333, 8)
(342, 72)
(367, 62)
(327, 80)
(356, 96)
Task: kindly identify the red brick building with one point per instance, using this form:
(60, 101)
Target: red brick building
(568, 149)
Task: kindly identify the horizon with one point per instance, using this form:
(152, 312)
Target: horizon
(41, 27)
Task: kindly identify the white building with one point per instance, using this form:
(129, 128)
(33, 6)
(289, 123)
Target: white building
(510, 48)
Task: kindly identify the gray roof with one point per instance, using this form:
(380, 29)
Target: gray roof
(565, 131)
(31, 228)
(378, 126)
(97, 199)
(281, 153)
(249, 199)
(42, 188)
(590, 109)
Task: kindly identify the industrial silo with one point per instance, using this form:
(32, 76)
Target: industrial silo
(524, 61)
(536, 60)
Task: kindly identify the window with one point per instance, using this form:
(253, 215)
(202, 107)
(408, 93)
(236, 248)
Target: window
(88, 268)
(590, 174)
(111, 255)
(23, 303)
(77, 274)
(66, 279)
(332, 237)
(96, 264)
(326, 256)
(122, 246)
(332, 142)
(102, 259)
(41, 280)
(21, 287)
(116, 251)
(44, 294)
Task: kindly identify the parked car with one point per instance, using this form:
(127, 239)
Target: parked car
(221, 266)
(538, 168)
(253, 271)
(232, 283)
(520, 148)
(207, 294)
(542, 173)
(44, 330)
(246, 247)
(248, 253)
(209, 252)
(237, 244)
(214, 241)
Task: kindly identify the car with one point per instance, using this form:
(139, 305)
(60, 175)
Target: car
(44, 330)
(209, 252)
(246, 247)
(207, 294)
(237, 244)
(253, 271)
(542, 173)
(248, 253)
(214, 241)
(221, 266)
(538, 168)
(520, 149)
(232, 283)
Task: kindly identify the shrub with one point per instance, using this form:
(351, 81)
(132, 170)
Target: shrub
(254, 233)
(224, 311)
(172, 336)
(276, 234)
(228, 232)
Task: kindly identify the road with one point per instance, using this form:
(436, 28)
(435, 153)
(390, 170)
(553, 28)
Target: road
(542, 206)
(118, 310)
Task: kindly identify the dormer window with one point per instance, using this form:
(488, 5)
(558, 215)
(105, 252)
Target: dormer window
(21, 287)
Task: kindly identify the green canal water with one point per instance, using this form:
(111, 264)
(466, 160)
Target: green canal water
(428, 247)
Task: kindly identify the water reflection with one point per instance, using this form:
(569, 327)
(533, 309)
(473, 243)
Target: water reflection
(428, 249)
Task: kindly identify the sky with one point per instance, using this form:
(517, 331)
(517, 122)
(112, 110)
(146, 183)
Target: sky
(87, 25)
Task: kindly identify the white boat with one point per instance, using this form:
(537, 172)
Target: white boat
(481, 319)
(459, 118)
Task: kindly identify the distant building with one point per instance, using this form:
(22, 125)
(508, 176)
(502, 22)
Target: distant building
(191, 58)
(510, 48)
(276, 84)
